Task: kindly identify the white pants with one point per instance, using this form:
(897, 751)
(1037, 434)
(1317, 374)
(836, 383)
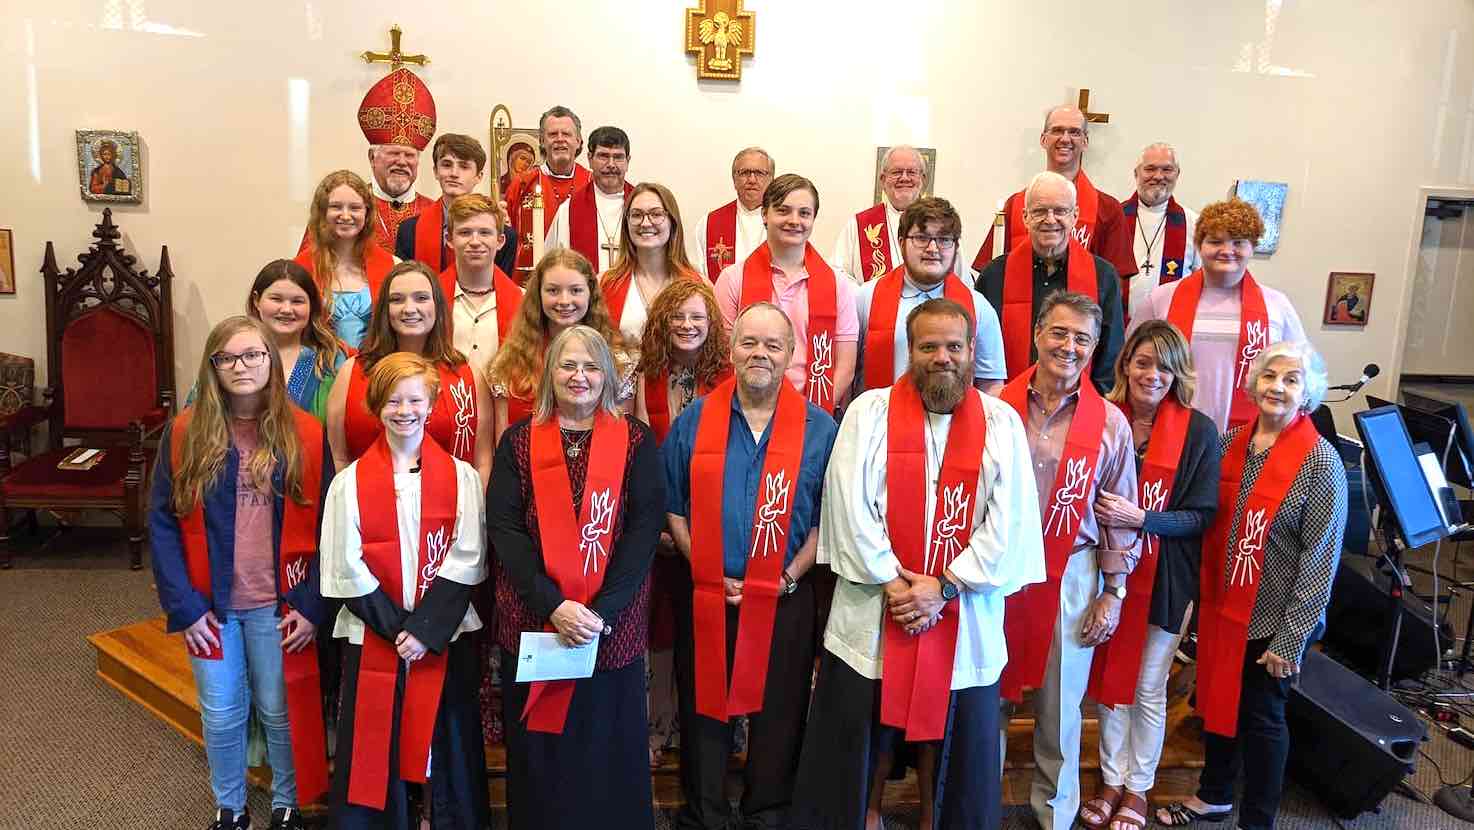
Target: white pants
(1131, 735)
(1055, 793)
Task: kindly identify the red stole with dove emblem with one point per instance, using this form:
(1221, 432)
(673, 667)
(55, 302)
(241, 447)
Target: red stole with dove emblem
(297, 547)
(452, 422)
(1228, 594)
(823, 290)
(1029, 615)
(1117, 662)
(575, 546)
(373, 712)
(1253, 333)
(763, 579)
(875, 242)
(916, 678)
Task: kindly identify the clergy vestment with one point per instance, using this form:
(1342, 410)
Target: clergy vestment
(869, 244)
(709, 652)
(1162, 244)
(555, 191)
(589, 222)
(987, 341)
(997, 552)
(1048, 616)
(593, 771)
(1100, 227)
(440, 509)
(728, 235)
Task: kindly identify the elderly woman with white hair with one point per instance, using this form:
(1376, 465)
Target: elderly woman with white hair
(574, 529)
(1267, 570)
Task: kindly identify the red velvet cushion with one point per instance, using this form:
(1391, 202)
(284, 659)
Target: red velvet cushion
(107, 365)
(38, 477)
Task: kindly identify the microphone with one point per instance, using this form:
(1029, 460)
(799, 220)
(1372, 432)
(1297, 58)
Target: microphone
(1368, 372)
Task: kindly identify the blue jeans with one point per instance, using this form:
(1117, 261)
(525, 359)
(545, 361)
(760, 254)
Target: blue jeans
(249, 671)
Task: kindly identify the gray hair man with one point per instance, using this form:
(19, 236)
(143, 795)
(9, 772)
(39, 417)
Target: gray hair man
(1161, 230)
(735, 229)
(869, 246)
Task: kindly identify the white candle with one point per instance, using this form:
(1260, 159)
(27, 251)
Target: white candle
(538, 228)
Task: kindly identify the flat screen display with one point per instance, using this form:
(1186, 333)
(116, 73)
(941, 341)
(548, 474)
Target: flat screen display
(1398, 477)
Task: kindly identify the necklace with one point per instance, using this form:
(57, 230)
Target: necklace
(575, 445)
(1146, 261)
(475, 292)
(610, 247)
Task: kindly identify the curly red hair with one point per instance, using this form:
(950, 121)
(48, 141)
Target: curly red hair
(1234, 218)
(712, 359)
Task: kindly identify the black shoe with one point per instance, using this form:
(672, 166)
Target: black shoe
(228, 820)
(286, 818)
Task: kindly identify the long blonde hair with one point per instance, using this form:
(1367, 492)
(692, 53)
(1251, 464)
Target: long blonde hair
(324, 257)
(207, 437)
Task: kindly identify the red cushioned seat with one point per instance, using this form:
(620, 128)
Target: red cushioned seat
(39, 478)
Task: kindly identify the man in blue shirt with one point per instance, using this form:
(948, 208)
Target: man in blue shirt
(758, 420)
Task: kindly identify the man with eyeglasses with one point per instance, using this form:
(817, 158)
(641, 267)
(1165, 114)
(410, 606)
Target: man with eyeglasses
(869, 246)
(560, 133)
(735, 229)
(1099, 224)
(929, 231)
(1080, 446)
(1051, 258)
(589, 221)
(1161, 230)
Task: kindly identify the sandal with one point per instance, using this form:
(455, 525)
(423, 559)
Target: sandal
(1096, 813)
(1131, 812)
(1179, 815)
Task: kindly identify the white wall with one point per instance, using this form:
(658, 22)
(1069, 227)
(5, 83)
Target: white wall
(1354, 104)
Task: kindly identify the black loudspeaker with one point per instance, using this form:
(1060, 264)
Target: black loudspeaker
(1357, 624)
(1350, 742)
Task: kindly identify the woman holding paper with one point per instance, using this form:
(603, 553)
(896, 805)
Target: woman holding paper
(236, 498)
(402, 546)
(574, 523)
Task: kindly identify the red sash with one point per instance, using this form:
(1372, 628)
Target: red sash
(297, 548)
(519, 202)
(376, 265)
(721, 239)
(508, 296)
(657, 399)
(880, 329)
(1253, 334)
(583, 223)
(1087, 200)
(1174, 246)
(763, 579)
(575, 547)
(1228, 596)
(373, 712)
(452, 423)
(1117, 663)
(823, 291)
(916, 679)
(1018, 298)
(431, 246)
(1029, 615)
(875, 243)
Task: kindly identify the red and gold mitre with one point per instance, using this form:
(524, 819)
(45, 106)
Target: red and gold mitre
(398, 110)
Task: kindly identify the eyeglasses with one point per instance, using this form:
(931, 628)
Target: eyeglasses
(638, 217)
(944, 243)
(1045, 212)
(903, 172)
(681, 318)
(226, 360)
(1054, 334)
(1072, 132)
(605, 158)
(751, 173)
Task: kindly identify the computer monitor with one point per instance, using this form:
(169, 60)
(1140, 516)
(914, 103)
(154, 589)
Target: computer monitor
(1393, 470)
(1458, 473)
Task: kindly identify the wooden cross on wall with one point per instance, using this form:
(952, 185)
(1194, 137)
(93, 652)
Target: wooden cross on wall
(1091, 117)
(720, 33)
(394, 57)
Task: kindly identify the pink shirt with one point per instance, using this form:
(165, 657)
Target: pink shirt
(253, 581)
(792, 295)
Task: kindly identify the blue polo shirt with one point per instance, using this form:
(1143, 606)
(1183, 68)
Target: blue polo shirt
(743, 474)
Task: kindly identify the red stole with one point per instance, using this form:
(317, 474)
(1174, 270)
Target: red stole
(1174, 245)
(575, 546)
(1253, 334)
(1117, 663)
(721, 239)
(875, 242)
(880, 328)
(431, 246)
(376, 265)
(1087, 201)
(584, 235)
(916, 679)
(452, 423)
(657, 399)
(616, 289)
(1018, 298)
(1228, 596)
(373, 712)
(1028, 621)
(297, 547)
(508, 297)
(763, 579)
(757, 286)
(555, 192)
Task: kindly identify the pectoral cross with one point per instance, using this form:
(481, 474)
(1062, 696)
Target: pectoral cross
(1146, 267)
(611, 248)
(394, 57)
(1092, 117)
(722, 251)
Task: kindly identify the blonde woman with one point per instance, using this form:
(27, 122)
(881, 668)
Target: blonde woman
(341, 255)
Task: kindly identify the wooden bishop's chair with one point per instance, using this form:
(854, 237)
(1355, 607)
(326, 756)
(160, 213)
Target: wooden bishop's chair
(110, 361)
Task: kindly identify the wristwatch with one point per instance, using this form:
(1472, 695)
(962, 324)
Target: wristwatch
(949, 589)
(1117, 591)
(789, 585)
